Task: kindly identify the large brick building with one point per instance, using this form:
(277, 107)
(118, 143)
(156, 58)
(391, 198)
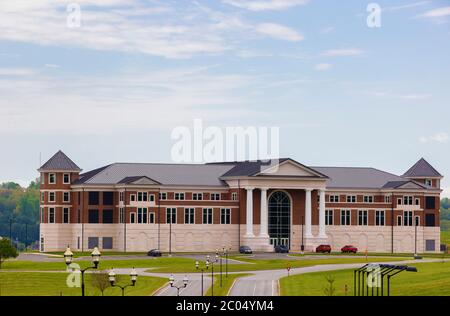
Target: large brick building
(188, 207)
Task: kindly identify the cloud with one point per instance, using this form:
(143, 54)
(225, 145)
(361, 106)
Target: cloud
(342, 52)
(265, 5)
(170, 29)
(323, 66)
(446, 192)
(278, 31)
(437, 13)
(52, 66)
(16, 72)
(327, 30)
(405, 6)
(436, 138)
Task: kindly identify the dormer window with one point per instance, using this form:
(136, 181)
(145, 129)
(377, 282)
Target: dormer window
(429, 182)
(51, 178)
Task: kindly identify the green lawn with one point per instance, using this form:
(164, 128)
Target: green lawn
(106, 253)
(431, 279)
(54, 284)
(445, 237)
(226, 284)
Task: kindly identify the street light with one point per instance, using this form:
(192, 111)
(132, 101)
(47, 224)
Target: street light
(172, 281)
(197, 266)
(209, 261)
(68, 258)
(225, 253)
(112, 280)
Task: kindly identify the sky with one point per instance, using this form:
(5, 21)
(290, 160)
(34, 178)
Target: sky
(108, 81)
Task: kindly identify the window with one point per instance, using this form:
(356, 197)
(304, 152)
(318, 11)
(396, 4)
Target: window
(66, 196)
(399, 220)
(163, 196)
(417, 201)
(93, 217)
(179, 196)
(417, 220)
(189, 216)
(151, 198)
(368, 199)
(42, 215)
(387, 199)
(171, 216)
(66, 215)
(42, 178)
(51, 215)
(142, 215)
(142, 197)
(108, 198)
(51, 178)
(234, 196)
(345, 217)
(108, 217)
(66, 178)
(107, 243)
(121, 215)
(408, 200)
(407, 218)
(133, 217)
(430, 203)
(430, 220)
(399, 201)
(197, 196)
(216, 196)
(362, 218)
(51, 196)
(328, 217)
(42, 197)
(93, 198)
(121, 196)
(151, 217)
(334, 198)
(379, 218)
(351, 198)
(207, 216)
(430, 245)
(92, 242)
(225, 216)
(133, 197)
(429, 182)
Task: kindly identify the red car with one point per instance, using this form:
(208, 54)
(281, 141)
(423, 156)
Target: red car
(349, 249)
(323, 249)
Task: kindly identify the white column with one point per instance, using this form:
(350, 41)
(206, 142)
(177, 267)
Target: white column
(249, 219)
(308, 232)
(322, 233)
(264, 231)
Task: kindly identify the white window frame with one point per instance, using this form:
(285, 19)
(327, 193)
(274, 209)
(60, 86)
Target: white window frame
(384, 217)
(226, 215)
(409, 198)
(213, 196)
(189, 209)
(171, 209)
(162, 196)
(151, 197)
(387, 199)
(50, 209)
(334, 198)
(42, 217)
(352, 197)
(203, 215)
(68, 196)
(327, 217)
(121, 215)
(54, 197)
(179, 196)
(429, 182)
(42, 197)
(417, 201)
(196, 196)
(416, 217)
(133, 198)
(143, 211)
(399, 201)
(68, 215)
(401, 220)
(349, 218)
(143, 196)
(406, 216)
(64, 176)
(121, 196)
(365, 216)
(367, 199)
(152, 216)
(54, 177)
(234, 196)
(133, 214)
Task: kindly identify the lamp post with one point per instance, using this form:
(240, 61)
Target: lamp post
(172, 281)
(68, 258)
(197, 266)
(216, 259)
(112, 280)
(225, 252)
(220, 258)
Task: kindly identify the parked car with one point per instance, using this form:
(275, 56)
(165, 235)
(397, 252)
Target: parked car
(154, 253)
(281, 249)
(246, 250)
(349, 248)
(323, 249)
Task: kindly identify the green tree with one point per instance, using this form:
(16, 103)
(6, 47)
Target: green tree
(7, 250)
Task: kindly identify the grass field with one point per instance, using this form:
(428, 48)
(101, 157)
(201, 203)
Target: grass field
(445, 237)
(54, 284)
(226, 284)
(432, 279)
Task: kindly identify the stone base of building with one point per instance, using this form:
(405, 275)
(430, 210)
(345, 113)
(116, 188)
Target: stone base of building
(258, 243)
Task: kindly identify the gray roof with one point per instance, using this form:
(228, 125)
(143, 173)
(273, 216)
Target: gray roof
(166, 174)
(422, 169)
(59, 161)
(363, 178)
(397, 184)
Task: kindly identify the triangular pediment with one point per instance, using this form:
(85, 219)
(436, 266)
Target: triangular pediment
(289, 168)
(410, 185)
(144, 181)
